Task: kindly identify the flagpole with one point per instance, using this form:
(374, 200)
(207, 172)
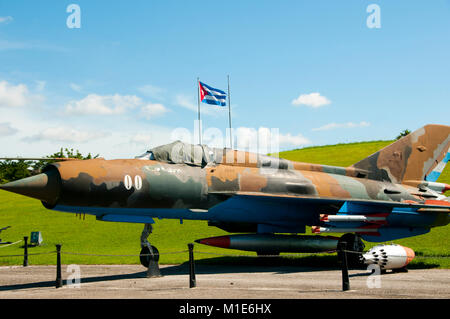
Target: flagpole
(199, 121)
(229, 112)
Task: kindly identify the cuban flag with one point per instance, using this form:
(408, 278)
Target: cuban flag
(211, 95)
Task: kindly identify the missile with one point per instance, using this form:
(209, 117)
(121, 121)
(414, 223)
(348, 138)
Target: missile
(373, 218)
(361, 230)
(269, 243)
(438, 187)
(434, 186)
(389, 256)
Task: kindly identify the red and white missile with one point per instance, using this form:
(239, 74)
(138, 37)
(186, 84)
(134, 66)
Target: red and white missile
(389, 256)
(371, 229)
(438, 187)
(372, 218)
(269, 243)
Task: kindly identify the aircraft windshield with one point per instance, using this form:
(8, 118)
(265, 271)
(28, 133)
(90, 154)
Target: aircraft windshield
(184, 153)
(201, 155)
(146, 156)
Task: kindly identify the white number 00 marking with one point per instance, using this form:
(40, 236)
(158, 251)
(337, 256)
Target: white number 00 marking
(128, 182)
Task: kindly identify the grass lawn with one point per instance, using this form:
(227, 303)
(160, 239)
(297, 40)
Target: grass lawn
(94, 237)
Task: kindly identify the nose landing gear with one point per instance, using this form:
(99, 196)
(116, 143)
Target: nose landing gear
(150, 252)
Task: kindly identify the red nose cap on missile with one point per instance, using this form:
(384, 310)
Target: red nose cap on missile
(409, 254)
(220, 241)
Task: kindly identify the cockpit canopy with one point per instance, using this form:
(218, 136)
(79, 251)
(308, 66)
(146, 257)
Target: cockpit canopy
(201, 155)
(183, 153)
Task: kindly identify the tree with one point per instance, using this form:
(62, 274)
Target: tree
(403, 133)
(12, 170)
(63, 153)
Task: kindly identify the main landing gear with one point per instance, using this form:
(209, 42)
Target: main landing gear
(355, 245)
(150, 252)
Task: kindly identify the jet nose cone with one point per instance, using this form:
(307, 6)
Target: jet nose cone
(44, 187)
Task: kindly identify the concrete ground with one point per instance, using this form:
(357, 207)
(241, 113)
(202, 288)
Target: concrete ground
(221, 282)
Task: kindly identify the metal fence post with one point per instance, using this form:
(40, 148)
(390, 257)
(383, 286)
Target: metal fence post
(192, 281)
(59, 282)
(345, 279)
(25, 252)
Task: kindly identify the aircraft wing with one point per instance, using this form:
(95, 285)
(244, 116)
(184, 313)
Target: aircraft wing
(376, 220)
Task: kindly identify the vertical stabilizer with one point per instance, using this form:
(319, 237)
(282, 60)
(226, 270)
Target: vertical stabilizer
(421, 155)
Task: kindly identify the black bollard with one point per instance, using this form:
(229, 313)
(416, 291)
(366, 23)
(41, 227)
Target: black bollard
(345, 279)
(25, 252)
(192, 281)
(59, 282)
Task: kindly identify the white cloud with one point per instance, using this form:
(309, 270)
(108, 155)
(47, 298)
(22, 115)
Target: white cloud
(16, 95)
(151, 110)
(6, 20)
(332, 126)
(152, 91)
(293, 140)
(265, 140)
(186, 102)
(66, 135)
(141, 139)
(103, 105)
(75, 87)
(6, 129)
(314, 100)
(40, 85)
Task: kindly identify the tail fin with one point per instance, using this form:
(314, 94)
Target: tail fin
(421, 155)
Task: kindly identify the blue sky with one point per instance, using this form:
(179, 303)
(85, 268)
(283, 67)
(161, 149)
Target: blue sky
(126, 79)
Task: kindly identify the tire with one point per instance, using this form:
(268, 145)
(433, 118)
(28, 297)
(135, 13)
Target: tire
(355, 244)
(145, 260)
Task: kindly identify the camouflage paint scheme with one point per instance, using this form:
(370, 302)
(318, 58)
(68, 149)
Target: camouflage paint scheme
(250, 192)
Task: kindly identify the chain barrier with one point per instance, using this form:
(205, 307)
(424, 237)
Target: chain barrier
(3, 246)
(197, 252)
(140, 255)
(32, 254)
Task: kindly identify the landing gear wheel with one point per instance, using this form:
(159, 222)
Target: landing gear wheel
(145, 260)
(354, 244)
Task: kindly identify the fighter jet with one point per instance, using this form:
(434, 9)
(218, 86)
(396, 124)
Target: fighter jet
(389, 195)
